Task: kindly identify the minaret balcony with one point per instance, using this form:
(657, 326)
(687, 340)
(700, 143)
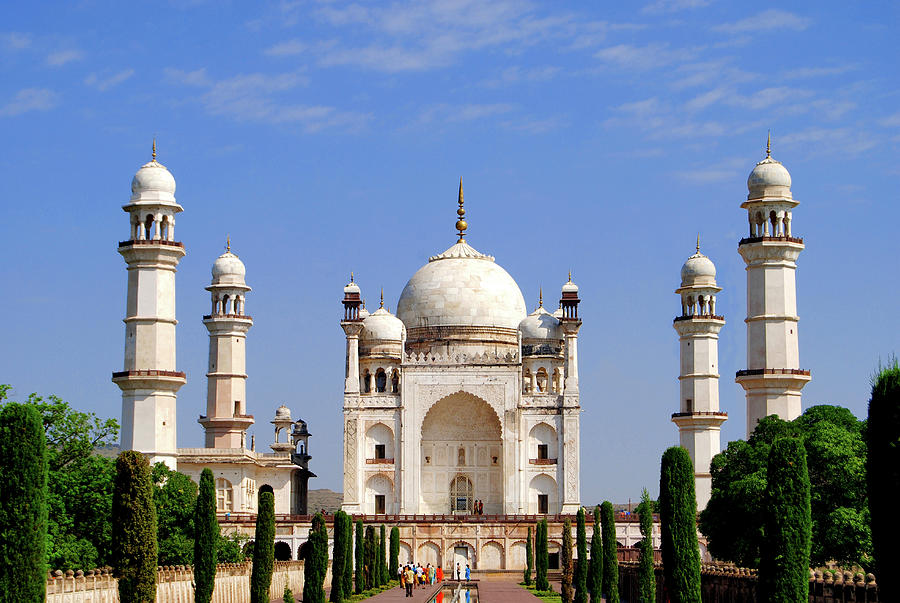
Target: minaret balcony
(701, 413)
(700, 317)
(151, 242)
(771, 371)
(228, 316)
(699, 418)
(148, 373)
(234, 422)
(767, 239)
(149, 379)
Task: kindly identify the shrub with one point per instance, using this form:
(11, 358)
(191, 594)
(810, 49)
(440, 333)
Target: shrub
(529, 559)
(23, 504)
(347, 526)
(784, 559)
(565, 557)
(359, 554)
(581, 594)
(288, 596)
(315, 563)
(646, 575)
(542, 557)
(134, 529)
(678, 517)
(338, 560)
(369, 558)
(206, 540)
(394, 569)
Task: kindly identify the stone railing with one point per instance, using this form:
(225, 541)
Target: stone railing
(729, 584)
(486, 358)
(174, 584)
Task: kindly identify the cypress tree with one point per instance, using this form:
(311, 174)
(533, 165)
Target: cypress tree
(678, 518)
(382, 555)
(395, 553)
(565, 557)
(263, 549)
(610, 553)
(23, 504)
(338, 560)
(595, 568)
(646, 575)
(369, 557)
(206, 538)
(134, 529)
(315, 562)
(784, 559)
(581, 593)
(347, 526)
(541, 557)
(883, 476)
(359, 573)
(529, 559)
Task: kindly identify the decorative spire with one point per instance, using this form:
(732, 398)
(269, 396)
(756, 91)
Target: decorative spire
(769, 145)
(153, 155)
(382, 298)
(228, 243)
(570, 275)
(461, 224)
(351, 276)
(541, 297)
(698, 242)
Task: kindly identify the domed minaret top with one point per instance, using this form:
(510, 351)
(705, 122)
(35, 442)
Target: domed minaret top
(769, 178)
(153, 183)
(228, 269)
(698, 286)
(698, 270)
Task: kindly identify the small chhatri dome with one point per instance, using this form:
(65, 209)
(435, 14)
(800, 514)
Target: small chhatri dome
(769, 178)
(283, 413)
(570, 287)
(351, 287)
(381, 325)
(698, 270)
(228, 269)
(540, 324)
(153, 177)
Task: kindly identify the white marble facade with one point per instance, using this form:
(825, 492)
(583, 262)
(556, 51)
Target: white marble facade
(461, 396)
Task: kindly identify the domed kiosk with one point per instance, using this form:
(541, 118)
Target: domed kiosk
(477, 397)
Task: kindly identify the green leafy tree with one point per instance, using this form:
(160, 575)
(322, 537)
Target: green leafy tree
(883, 470)
(529, 559)
(581, 592)
(23, 504)
(646, 575)
(395, 553)
(175, 496)
(565, 556)
(382, 557)
(338, 559)
(80, 483)
(836, 452)
(542, 560)
(264, 549)
(288, 596)
(207, 539)
(134, 529)
(784, 566)
(315, 562)
(610, 553)
(359, 582)
(678, 522)
(369, 557)
(595, 566)
(231, 548)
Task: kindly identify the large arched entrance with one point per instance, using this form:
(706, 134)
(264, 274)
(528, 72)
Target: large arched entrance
(461, 456)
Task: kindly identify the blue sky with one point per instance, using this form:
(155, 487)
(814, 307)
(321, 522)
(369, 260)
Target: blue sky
(326, 137)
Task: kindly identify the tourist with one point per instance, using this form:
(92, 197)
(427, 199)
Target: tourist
(468, 572)
(458, 572)
(410, 577)
(440, 574)
(402, 573)
(431, 574)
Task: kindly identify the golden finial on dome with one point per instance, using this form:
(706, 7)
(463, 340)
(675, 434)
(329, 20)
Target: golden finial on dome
(769, 145)
(153, 154)
(570, 275)
(228, 243)
(351, 276)
(541, 297)
(461, 224)
(382, 298)
(698, 242)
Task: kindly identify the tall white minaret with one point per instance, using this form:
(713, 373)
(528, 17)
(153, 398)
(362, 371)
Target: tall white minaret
(226, 421)
(699, 418)
(149, 380)
(773, 377)
(570, 323)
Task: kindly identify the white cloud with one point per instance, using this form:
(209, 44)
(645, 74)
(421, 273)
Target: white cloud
(104, 83)
(768, 20)
(286, 49)
(14, 40)
(536, 125)
(517, 74)
(30, 99)
(818, 140)
(642, 58)
(812, 72)
(891, 121)
(673, 6)
(259, 97)
(58, 59)
(447, 113)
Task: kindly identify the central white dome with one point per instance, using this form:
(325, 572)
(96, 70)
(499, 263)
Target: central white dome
(461, 287)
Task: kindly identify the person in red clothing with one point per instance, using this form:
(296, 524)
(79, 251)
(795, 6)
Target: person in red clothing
(440, 574)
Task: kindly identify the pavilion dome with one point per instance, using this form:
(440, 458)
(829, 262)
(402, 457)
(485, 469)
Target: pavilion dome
(540, 324)
(769, 178)
(152, 177)
(381, 325)
(698, 270)
(228, 269)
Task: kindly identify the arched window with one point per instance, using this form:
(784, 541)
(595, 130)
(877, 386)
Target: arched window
(542, 380)
(380, 380)
(148, 226)
(395, 381)
(461, 494)
(224, 495)
(461, 457)
(282, 551)
(367, 382)
(555, 382)
(526, 381)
